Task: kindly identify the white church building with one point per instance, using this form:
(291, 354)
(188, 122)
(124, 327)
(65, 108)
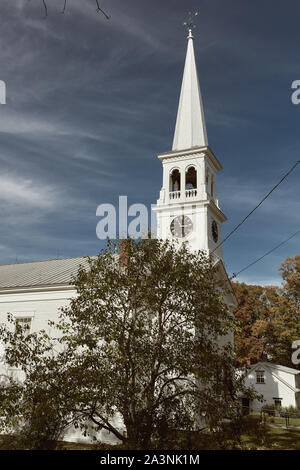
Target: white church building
(187, 210)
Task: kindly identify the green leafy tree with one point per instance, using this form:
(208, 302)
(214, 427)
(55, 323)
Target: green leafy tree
(30, 413)
(139, 342)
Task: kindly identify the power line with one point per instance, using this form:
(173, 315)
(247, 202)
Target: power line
(266, 254)
(258, 205)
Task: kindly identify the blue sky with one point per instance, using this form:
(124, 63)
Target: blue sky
(91, 102)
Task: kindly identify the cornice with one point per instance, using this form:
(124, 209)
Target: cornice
(217, 211)
(174, 156)
(167, 207)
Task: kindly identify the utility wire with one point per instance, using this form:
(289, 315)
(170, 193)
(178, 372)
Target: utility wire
(266, 254)
(258, 205)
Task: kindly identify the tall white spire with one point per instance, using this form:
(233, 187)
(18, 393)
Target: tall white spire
(190, 128)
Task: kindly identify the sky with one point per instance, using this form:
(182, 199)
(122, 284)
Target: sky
(91, 102)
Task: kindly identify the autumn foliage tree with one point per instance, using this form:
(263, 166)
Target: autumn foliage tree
(252, 308)
(290, 271)
(268, 318)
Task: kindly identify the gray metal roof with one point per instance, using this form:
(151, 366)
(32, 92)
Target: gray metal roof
(277, 367)
(40, 273)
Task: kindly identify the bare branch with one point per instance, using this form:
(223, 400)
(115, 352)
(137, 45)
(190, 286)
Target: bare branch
(100, 9)
(45, 6)
(65, 6)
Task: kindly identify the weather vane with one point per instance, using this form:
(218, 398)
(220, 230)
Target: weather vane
(189, 23)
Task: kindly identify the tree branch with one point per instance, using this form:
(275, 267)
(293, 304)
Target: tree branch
(65, 5)
(99, 9)
(174, 380)
(45, 6)
(107, 426)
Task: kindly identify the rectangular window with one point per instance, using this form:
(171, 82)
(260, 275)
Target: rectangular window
(25, 323)
(260, 377)
(277, 402)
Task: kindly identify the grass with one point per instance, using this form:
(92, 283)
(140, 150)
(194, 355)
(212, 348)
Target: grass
(292, 422)
(9, 443)
(275, 438)
(278, 439)
(78, 446)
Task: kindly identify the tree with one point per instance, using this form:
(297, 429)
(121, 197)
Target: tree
(139, 341)
(253, 307)
(30, 413)
(290, 271)
(283, 327)
(269, 318)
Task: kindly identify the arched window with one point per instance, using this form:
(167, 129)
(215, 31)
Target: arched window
(191, 178)
(175, 180)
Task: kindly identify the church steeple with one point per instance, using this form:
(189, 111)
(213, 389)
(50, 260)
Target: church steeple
(188, 209)
(190, 128)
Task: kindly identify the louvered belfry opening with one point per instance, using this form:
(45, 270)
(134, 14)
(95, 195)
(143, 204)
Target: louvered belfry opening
(191, 178)
(175, 182)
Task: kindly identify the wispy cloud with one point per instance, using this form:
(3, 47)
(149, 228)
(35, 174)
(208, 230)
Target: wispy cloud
(245, 194)
(19, 192)
(217, 117)
(260, 280)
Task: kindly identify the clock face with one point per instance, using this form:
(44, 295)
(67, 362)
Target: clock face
(181, 226)
(215, 231)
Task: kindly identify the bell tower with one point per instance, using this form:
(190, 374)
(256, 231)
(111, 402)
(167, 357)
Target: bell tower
(188, 208)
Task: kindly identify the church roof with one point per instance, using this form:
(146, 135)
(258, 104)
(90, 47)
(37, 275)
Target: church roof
(190, 128)
(289, 370)
(40, 273)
